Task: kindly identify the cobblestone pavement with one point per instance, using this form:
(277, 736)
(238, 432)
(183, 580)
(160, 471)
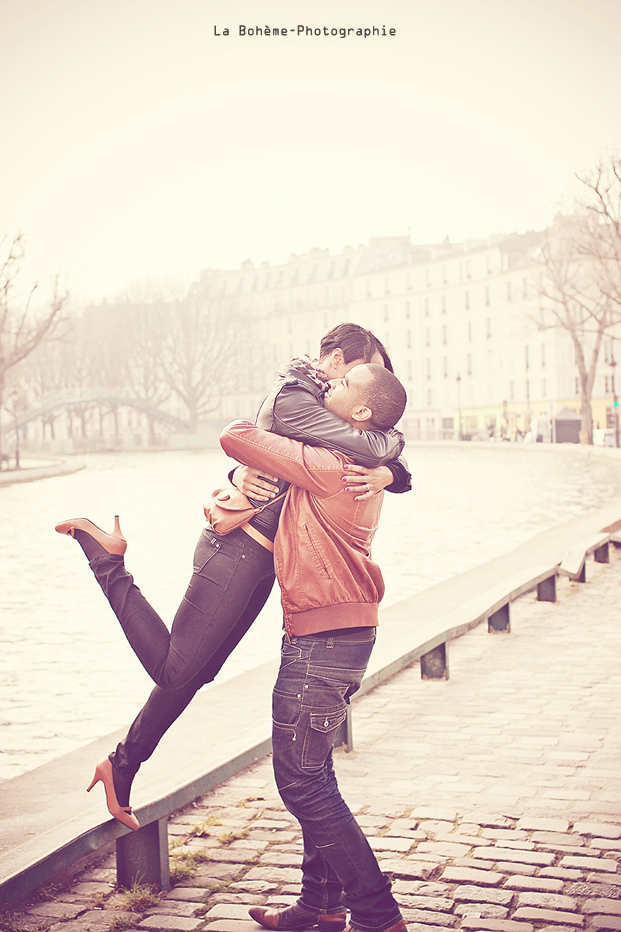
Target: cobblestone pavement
(493, 799)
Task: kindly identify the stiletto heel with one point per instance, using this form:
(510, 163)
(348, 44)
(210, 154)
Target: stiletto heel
(103, 773)
(112, 543)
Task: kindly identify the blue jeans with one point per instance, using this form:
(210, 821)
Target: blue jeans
(317, 676)
(231, 576)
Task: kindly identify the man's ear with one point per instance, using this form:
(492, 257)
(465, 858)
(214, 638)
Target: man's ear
(362, 414)
(336, 357)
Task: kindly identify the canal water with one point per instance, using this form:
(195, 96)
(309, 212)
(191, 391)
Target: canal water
(67, 675)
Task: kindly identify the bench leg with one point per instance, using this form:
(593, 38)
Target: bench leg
(581, 577)
(546, 590)
(344, 736)
(601, 555)
(142, 857)
(499, 621)
(434, 664)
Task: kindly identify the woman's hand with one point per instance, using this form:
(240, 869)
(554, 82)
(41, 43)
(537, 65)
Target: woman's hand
(254, 484)
(369, 482)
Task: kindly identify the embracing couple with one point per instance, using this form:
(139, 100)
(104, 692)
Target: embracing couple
(325, 438)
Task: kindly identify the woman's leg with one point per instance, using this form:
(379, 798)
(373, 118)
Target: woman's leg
(164, 706)
(226, 573)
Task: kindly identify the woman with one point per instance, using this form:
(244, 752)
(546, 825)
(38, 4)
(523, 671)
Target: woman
(233, 574)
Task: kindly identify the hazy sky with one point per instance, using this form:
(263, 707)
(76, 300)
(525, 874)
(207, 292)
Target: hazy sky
(138, 143)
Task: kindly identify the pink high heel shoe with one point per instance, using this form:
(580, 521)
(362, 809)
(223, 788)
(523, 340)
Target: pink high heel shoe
(103, 773)
(113, 543)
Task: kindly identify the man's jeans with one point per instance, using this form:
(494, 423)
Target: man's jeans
(316, 679)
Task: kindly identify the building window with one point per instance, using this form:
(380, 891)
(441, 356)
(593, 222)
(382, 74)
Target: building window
(469, 363)
(427, 336)
(426, 304)
(606, 383)
(444, 275)
(524, 288)
(467, 300)
(409, 370)
(543, 355)
(428, 364)
(427, 278)
(429, 396)
(577, 385)
(445, 366)
(385, 312)
(369, 288)
(407, 310)
(544, 389)
(469, 331)
(443, 304)
(444, 336)
(408, 339)
(511, 391)
(487, 297)
(386, 286)
(508, 291)
(468, 269)
(488, 327)
(408, 282)
(489, 265)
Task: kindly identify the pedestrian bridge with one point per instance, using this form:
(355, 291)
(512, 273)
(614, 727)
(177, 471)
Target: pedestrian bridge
(65, 400)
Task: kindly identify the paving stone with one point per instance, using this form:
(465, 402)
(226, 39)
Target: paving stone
(606, 844)
(612, 923)
(508, 868)
(594, 889)
(429, 917)
(556, 838)
(462, 838)
(548, 915)
(540, 858)
(546, 900)
(603, 829)
(496, 925)
(488, 820)
(280, 859)
(591, 864)
(165, 923)
(386, 843)
(419, 888)
(438, 903)
(472, 894)
(409, 868)
(545, 825)
(604, 878)
(467, 876)
(279, 875)
(227, 911)
(546, 885)
(482, 910)
(444, 849)
(189, 894)
(434, 813)
(561, 873)
(612, 907)
(253, 886)
(176, 908)
(211, 870)
(250, 899)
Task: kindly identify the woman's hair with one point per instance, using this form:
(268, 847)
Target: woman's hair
(355, 342)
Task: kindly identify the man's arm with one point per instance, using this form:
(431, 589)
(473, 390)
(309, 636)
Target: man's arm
(313, 468)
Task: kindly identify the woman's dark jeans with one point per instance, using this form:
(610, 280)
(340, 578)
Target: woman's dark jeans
(232, 579)
(316, 679)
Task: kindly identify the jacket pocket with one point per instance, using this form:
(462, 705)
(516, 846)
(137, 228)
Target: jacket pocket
(319, 559)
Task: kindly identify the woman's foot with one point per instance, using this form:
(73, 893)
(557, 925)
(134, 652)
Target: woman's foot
(103, 773)
(83, 529)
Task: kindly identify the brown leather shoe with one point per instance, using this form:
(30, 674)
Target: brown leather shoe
(296, 917)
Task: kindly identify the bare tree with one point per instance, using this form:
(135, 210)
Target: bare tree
(23, 326)
(571, 294)
(204, 355)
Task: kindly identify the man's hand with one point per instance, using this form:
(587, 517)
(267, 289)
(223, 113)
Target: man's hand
(254, 484)
(367, 481)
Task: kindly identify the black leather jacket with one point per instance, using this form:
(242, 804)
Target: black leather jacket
(294, 409)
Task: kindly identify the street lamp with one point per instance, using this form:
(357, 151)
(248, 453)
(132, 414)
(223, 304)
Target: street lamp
(612, 364)
(458, 380)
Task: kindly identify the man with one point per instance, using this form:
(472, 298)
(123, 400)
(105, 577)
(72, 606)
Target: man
(222, 601)
(331, 589)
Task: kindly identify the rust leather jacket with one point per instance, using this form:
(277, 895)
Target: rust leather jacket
(322, 548)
